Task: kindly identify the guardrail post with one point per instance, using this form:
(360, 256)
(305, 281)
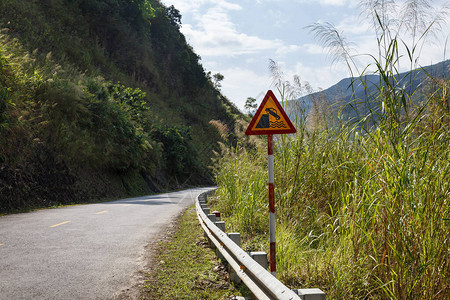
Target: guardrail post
(233, 275)
(206, 210)
(220, 225)
(260, 257)
(235, 237)
(212, 217)
(310, 294)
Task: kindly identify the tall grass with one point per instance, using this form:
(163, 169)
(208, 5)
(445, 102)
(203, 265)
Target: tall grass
(238, 170)
(361, 206)
(356, 216)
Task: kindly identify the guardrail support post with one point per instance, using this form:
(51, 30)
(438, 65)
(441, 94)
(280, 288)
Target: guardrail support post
(212, 217)
(310, 294)
(261, 258)
(234, 277)
(220, 225)
(235, 237)
(206, 210)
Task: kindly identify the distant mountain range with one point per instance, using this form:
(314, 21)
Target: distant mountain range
(349, 91)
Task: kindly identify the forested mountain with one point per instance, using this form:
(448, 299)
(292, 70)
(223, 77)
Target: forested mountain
(354, 97)
(99, 99)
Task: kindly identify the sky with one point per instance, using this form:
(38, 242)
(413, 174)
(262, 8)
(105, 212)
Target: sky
(238, 38)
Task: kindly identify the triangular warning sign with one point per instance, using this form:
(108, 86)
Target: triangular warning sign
(270, 118)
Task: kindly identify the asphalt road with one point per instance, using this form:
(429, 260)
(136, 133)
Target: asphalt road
(83, 252)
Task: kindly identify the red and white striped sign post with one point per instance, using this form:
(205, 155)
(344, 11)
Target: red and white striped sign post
(273, 264)
(270, 119)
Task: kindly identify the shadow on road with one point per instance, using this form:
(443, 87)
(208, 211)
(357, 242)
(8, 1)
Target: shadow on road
(144, 201)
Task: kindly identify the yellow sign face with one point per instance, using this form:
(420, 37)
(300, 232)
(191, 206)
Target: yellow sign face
(270, 118)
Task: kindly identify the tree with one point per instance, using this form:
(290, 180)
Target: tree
(217, 78)
(174, 16)
(250, 104)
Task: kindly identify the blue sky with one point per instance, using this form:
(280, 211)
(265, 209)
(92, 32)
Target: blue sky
(238, 37)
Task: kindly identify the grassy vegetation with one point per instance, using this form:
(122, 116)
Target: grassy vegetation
(362, 206)
(57, 125)
(186, 268)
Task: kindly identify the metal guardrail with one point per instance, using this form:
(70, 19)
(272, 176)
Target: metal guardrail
(261, 283)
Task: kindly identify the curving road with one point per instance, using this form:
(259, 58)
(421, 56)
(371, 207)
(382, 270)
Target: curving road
(83, 252)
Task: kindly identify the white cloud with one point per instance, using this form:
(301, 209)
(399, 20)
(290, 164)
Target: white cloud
(320, 77)
(215, 34)
(240, 81)
(333, 2)
(278, 18)
(217, 40)
(283, 50)
(326, 2)
(189, 6)
(351, 25)
(227, 5)
(185, 6)
(314, 49)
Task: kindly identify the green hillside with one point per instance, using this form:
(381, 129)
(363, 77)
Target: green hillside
(100, 99)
